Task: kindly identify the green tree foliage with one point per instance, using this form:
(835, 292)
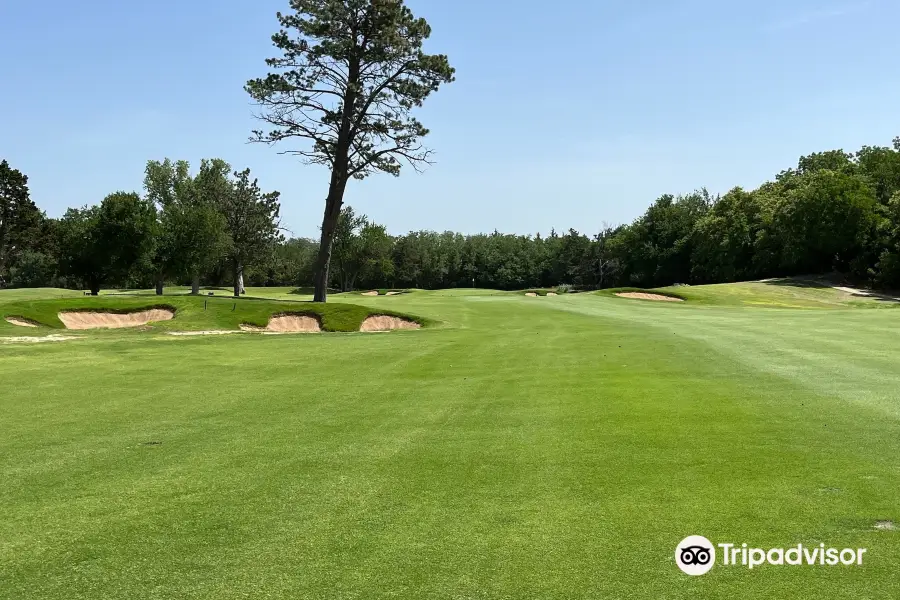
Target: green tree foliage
(127, 234)
(823, 221)
(291, 264)
(193, 233)
(887, 269)
(349, 74)
(725, 239)
(79, 248)
(880, 168)
(362, 251)
(108, 243)
(21, 222)
(250, 216)
(657, 248)
(833, 211)
(33, 270)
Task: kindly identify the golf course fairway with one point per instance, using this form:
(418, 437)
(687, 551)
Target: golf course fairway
(517, 447)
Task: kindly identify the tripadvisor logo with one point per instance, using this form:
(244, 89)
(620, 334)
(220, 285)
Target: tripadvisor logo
(696, 555)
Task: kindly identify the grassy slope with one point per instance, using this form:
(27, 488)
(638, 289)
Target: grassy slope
(553, 448)
(783, 293)
(191, 313)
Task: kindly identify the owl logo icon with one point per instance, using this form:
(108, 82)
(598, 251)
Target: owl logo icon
(695, 555)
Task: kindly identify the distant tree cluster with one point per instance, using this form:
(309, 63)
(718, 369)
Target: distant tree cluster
(185, 227)
(834, 212)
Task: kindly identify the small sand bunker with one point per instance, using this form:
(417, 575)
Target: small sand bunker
(288, 324)
(36, 340)
(644, 296)
(370, 293)
(102, 320)
(21, 322)
(394, 293)
(531, 295)
(386, 323)
(552, 294)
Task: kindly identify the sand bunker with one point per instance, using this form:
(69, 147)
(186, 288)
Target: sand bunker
(394, 293)
(552, 294)
(370, 293)
(644, 296)
(288, 324)
(386, 323)
(36, 340)
(102, 320)
(21, 322)
(531, 295)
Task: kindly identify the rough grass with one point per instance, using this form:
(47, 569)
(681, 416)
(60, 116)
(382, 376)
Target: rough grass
(549, 450)
(196, 313)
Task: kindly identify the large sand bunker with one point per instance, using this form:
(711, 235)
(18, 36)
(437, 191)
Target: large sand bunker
(288, 324)
(386, 323)
(645, 296)
(21, 322)
(531, 295)
(370, 293)
(104, 320)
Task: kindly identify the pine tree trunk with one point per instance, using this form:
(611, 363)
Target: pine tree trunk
(195, 284)
(159, 287)
(241, 282)
(95, 288)
(329, 225)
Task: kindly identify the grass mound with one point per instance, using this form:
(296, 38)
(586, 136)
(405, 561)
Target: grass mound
(780, 293)
(773, 293)
(199, 313)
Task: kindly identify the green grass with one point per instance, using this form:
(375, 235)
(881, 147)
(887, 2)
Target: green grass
(525, 449)
(192, 313)
(780, 293)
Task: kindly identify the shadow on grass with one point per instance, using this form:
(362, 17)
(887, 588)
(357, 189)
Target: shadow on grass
(309, 291)
(878, 297)
(833, 281)
(799, 282)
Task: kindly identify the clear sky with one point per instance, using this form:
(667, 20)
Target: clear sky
(564, 114)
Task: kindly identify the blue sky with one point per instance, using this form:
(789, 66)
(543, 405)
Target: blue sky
(568, 117)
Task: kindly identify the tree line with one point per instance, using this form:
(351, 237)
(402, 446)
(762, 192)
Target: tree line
(211, 225)
(834, 212)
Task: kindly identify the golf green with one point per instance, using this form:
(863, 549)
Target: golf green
(516, 447)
